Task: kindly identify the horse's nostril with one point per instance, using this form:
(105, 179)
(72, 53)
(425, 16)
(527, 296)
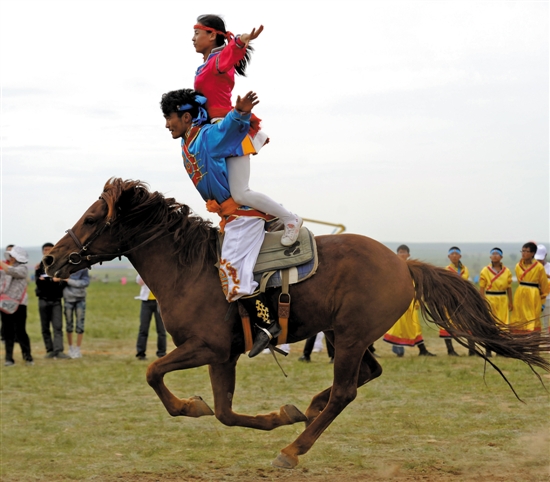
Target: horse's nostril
(48, 260)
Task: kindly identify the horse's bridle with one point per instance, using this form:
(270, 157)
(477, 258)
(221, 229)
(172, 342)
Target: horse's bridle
(77, 258)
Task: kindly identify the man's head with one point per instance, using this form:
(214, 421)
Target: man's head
(182, 109)
(46, 248)
(403, 252)
(7, 252)
(495, 255)
(454, 255)
(528, 250)
(540, 255)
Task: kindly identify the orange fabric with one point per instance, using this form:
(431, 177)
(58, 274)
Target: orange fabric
(229, 206)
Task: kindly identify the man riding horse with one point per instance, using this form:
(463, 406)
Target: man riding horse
(205, 147)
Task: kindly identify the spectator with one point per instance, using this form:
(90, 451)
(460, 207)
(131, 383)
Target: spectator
(311, 344)
(5, 280)
(495, 284)
(149, 307)
(14, 317)
(458, 268)
(406, 331)
(74, 299)
(49, 292)
(540, 256)
(532, 289)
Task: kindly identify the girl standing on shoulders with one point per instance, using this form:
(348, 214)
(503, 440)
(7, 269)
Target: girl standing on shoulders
(495, 285)
(215, 79)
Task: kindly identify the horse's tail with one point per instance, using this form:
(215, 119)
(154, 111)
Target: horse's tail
(455, 305)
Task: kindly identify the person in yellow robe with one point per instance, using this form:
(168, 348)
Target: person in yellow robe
(531, 292)
(495, 285)
(406, 330)
(459, 269)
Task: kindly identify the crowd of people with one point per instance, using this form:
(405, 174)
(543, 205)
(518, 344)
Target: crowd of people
(528, 309)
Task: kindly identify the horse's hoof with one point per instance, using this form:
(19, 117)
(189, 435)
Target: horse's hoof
(285, 461)
(293, 414)
(200, 407)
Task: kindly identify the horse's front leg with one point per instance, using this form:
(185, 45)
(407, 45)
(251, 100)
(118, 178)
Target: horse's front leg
(222, 377)
(191, 354)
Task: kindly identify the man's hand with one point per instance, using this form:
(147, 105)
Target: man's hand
(247, 37)
(245, 105)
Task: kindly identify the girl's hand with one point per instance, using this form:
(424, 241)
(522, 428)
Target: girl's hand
(247, 37)
(245, 105)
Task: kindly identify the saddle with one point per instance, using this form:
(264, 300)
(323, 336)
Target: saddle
(280, 266)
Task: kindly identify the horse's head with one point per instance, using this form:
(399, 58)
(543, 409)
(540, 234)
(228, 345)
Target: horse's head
(95, 237)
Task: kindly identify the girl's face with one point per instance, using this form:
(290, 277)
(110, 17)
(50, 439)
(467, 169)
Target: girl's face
(455, 258)
(204, 41)
(495, 258)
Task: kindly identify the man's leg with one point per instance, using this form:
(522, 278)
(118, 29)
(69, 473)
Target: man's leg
(145, 314)
(161, 334)
(308, 348)
(21, 333)
(57, 325)
(241, 245)
(44, 310)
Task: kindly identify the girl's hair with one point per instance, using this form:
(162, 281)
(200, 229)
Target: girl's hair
(217, 23)
(172, 101)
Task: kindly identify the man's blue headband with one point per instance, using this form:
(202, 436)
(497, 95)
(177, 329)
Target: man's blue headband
(202, 116)
(454, 250)
(496, 251)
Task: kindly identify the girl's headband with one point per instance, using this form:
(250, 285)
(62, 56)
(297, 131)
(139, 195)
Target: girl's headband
(227, 35)
(202, 115)
(496, 251)
(454, 250)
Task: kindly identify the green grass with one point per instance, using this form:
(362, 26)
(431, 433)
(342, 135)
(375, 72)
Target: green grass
(424, 419)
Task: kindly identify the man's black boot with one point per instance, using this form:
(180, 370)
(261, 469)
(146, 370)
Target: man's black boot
(450, 349)
(260, 316)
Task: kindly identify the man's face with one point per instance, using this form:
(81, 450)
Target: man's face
(455, 258)
(46, 250)
(403, 254)
(495, 258)
(526, 254)
(178, 125)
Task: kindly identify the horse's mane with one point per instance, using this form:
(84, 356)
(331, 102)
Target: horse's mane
(136, 213)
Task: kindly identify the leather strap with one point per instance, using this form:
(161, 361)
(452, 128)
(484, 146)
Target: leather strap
(284, 306)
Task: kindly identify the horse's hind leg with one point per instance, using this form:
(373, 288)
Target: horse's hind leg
(343, 391)
(369, 370)
(222, 377)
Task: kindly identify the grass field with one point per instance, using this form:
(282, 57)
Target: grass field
(429, 419)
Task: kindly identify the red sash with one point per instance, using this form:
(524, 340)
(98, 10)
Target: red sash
(525, 271)
(495, 273)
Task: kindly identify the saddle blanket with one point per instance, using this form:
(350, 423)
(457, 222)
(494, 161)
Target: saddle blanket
(300, 260)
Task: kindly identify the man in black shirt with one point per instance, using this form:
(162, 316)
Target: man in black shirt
(49, 292)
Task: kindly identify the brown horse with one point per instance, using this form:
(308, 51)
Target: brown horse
(360, 289)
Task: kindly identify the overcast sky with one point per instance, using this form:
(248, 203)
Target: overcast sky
(405, 121)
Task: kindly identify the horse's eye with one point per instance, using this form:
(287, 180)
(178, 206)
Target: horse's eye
(89, 221)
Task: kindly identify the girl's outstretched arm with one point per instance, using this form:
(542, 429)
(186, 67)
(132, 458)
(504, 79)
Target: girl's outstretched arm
(247, 37)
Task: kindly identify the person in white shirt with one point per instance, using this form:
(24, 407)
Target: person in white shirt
(149, 307)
